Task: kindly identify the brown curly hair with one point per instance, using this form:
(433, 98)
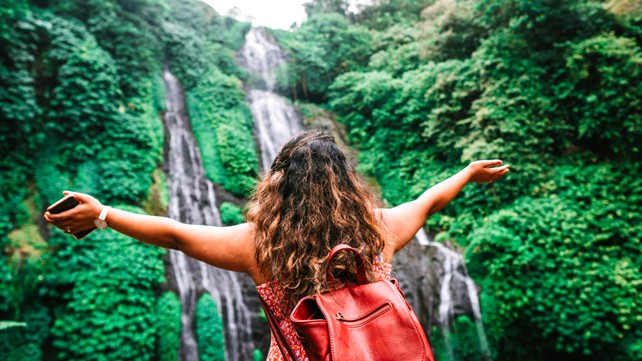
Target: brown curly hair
(309, 201)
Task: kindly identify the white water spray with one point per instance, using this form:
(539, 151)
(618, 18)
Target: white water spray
(193, 201)
(454, 267)
(275, 118)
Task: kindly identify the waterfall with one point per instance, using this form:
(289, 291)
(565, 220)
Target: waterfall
(275, 118)
(193, 201)
(481, 333)
(454, 270)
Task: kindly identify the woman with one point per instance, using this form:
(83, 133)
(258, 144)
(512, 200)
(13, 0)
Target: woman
(310, 200)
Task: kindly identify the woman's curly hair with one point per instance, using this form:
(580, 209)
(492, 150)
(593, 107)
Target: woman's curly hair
(309, 201)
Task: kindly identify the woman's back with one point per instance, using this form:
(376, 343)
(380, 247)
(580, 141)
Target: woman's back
(274, 295)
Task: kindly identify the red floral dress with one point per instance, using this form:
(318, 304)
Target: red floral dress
(273, 293)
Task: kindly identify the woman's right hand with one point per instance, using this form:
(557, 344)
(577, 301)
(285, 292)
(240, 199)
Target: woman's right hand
(79, 218)
(486, 170)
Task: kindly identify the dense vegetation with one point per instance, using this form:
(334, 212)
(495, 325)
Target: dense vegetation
(81, 99)
(209, 327)
(552, 87)
(169, 333)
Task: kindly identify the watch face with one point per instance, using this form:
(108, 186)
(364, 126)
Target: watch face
(100, 223)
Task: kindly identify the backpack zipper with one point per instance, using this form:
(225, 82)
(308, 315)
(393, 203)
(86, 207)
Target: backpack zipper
(364, 319)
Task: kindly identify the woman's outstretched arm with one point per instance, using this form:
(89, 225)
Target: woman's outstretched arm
(225, 247)
(404, 221)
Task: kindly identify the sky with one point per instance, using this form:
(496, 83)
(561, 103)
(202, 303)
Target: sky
(276, 14)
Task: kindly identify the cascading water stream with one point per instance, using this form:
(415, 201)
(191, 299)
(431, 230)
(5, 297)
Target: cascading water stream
(453, 267)
(193, 201)
(275, 118)
(481, 333)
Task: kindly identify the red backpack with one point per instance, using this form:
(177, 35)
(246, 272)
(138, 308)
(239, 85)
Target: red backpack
(366, 322)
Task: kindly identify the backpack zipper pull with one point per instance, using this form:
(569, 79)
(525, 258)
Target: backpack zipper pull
(339, 316)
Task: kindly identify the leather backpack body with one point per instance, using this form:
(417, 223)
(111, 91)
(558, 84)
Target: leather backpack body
(364, 321)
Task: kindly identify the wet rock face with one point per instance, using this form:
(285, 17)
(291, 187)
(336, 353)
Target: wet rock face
(422, 270)
(419, 282)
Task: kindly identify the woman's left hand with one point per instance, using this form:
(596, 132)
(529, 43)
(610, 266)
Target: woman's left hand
(487, 170)
(79, 218)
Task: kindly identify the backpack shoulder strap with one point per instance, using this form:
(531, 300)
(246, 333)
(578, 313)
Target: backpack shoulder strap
(285, 349)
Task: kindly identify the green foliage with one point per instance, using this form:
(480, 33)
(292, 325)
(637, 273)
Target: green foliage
(159, 97)
(86, 110)
(396, 50)
(198, 41)
(209, 330)
(565, 267)
(450, 30)
(361, 99)
(223, 58)
(82, 103)
(324, 47)
(257, 355)
(238, 155)
(326, 6)
(222, 124)
(229, 32)
(384, 14)
(460, 342)
(25, 261)
(18, 111)
(390, 117)
(80, 91)
(4, 325)
(184, 47)
(605, 88)
(231, 214)
(110, 313)
(204, 21)
(168, 310)
(126, 168)
(551, 88)
(22, 341)
(101, 137)
(120, 27)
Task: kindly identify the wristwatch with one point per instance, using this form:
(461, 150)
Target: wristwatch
(101, 221)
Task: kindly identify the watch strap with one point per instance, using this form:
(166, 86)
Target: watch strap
(101, 221)
(103, 213)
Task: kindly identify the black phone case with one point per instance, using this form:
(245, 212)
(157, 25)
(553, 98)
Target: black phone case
(63, 205)
(81, 234)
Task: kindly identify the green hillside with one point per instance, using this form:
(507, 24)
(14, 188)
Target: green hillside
(423, 87)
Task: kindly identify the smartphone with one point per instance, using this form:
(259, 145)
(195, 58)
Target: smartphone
(66, 203)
